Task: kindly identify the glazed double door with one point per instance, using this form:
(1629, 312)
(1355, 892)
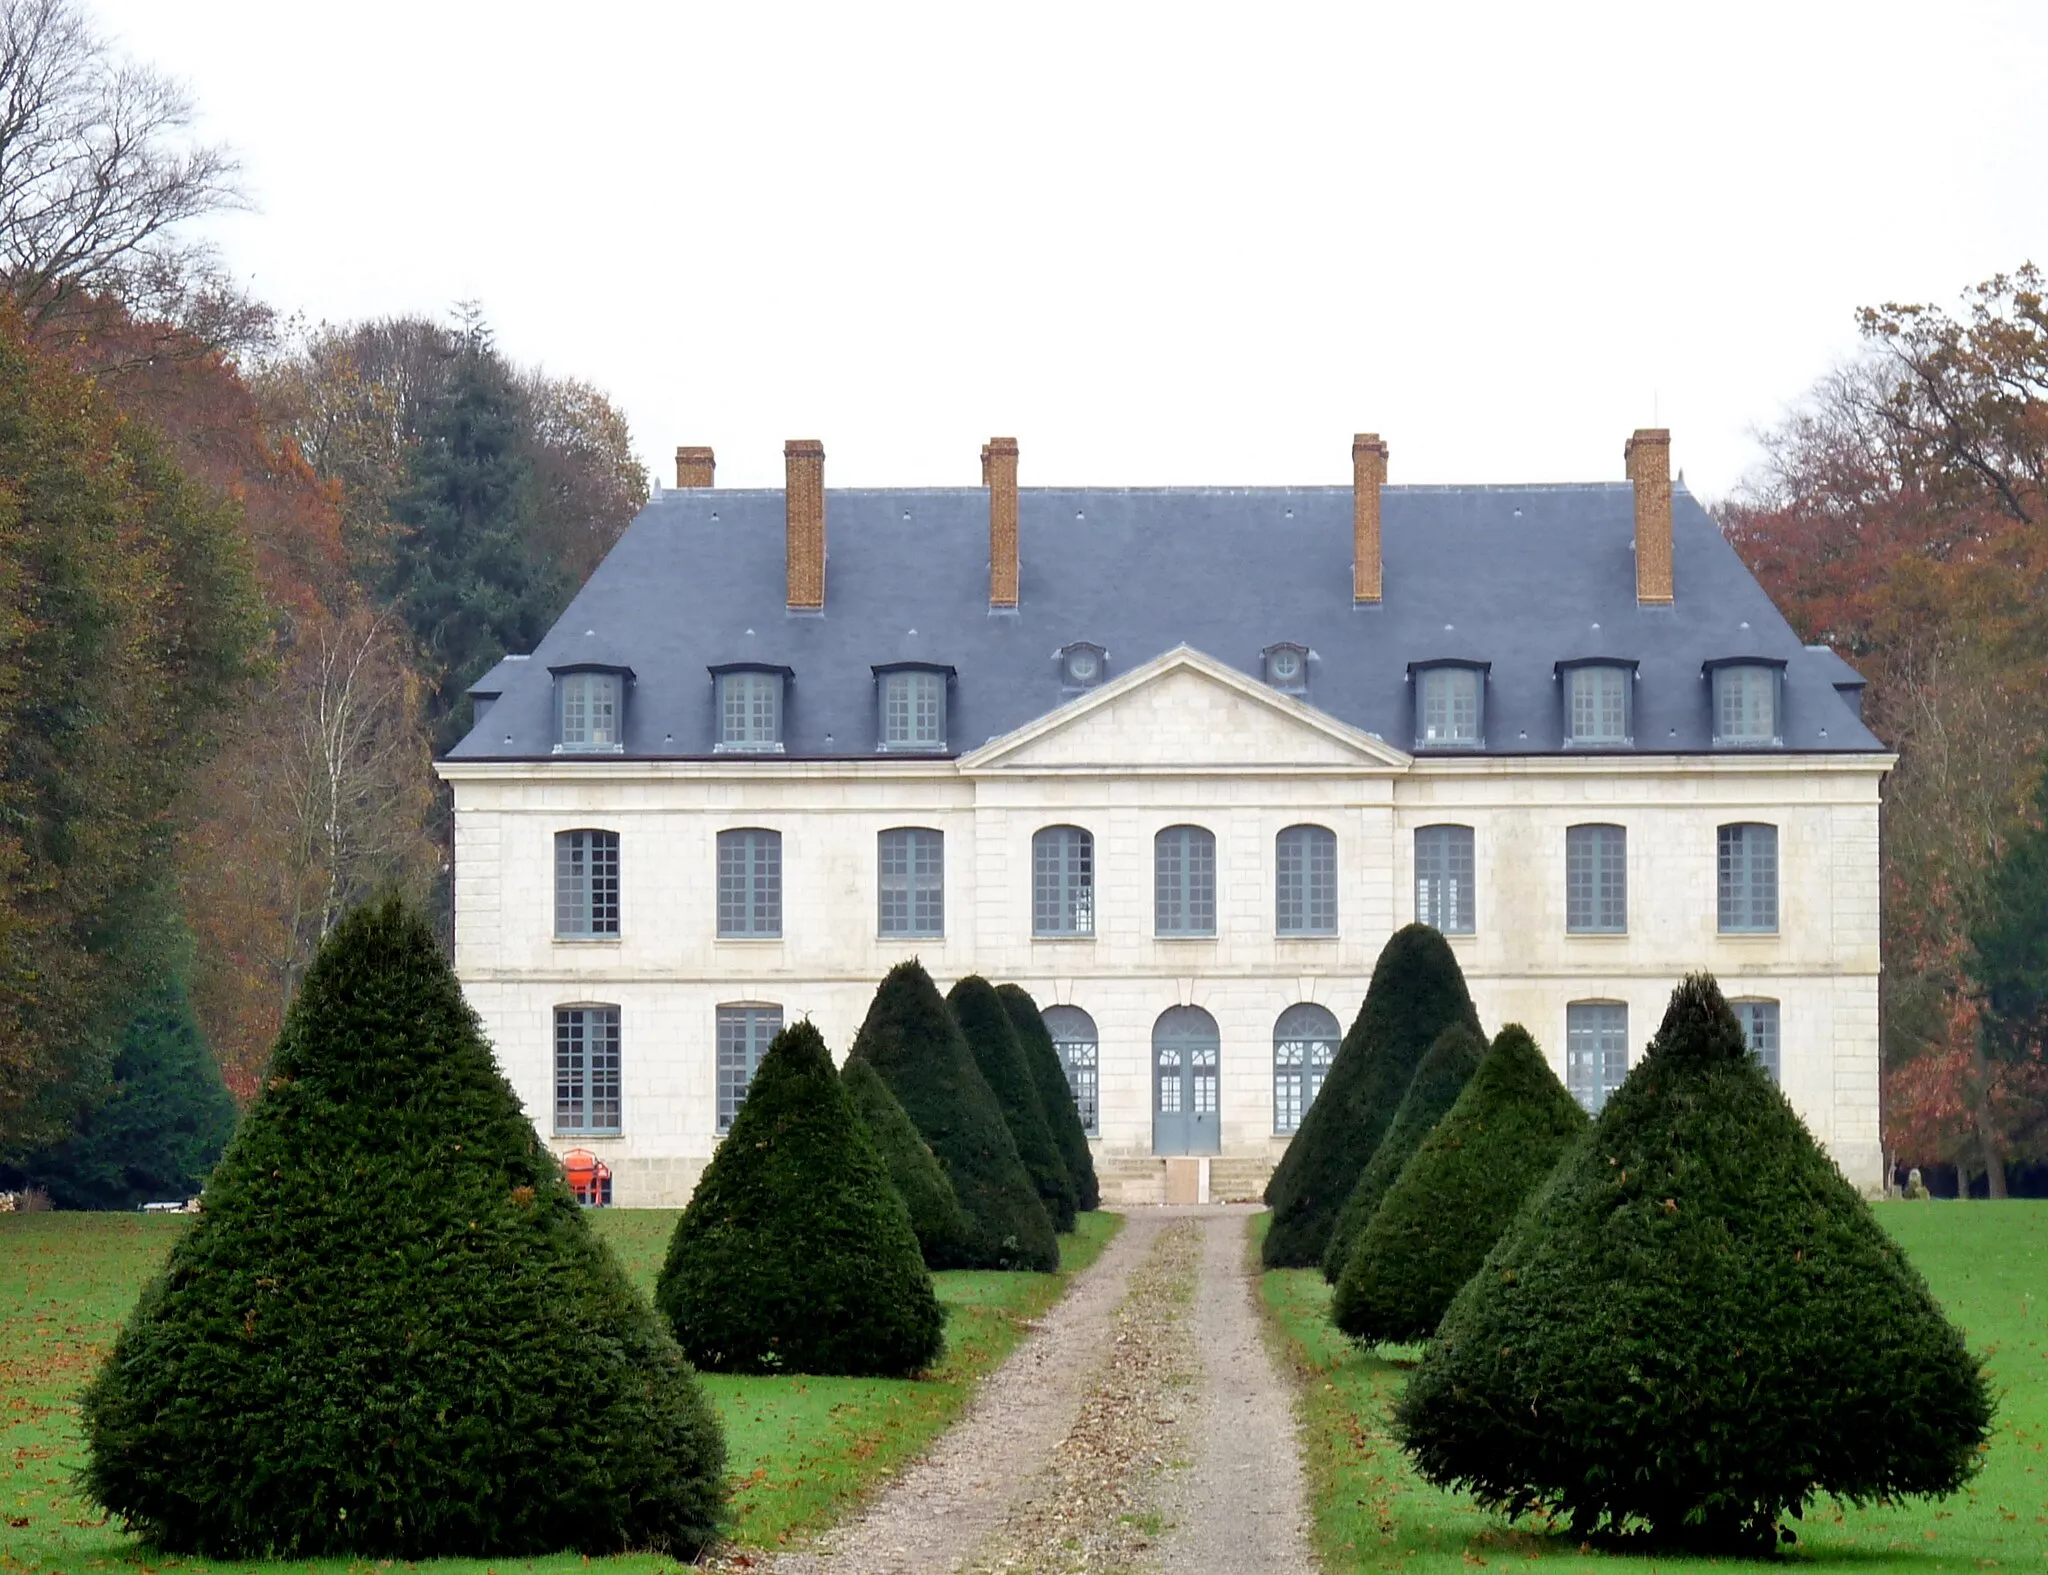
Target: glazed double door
(1187, 1086)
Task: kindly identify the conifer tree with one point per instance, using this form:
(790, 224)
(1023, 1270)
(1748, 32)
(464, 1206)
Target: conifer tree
(1055, 1094)
(1696, 1324)
(796, 1253)
(985, 1022)
(1416, 993)
(1434, 1088)
(393, 1334)
(1456, 1194)
(912, 1040)
(919, 1178)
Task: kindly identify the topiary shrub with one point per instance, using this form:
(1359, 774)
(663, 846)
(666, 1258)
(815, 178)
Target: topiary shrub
(919, 1179)
(1416, 993)
(1457, 1193)
(1434, 1088)
(796, 1254)
(1695, 1325)
(392, 1334)
(1055, 1094)
(985, 1023)
(911, 1039)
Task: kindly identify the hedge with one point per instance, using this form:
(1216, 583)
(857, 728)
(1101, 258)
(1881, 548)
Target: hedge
(1055, 1094)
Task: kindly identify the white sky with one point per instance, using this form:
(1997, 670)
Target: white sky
(1157, 244)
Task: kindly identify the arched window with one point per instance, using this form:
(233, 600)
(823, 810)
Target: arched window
(1304, 1045)
(1184, 882)
(1062, 881)
(1305, 896)
(1187, 1083)
(1073, 1036)
(586, 1069)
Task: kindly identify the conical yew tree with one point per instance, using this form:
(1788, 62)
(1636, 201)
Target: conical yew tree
(796, 1253)
(1062, 1115)
(392, 1334)
(911, 1039)
(1456, 1194)
(1695, 1325)
(920, 1180)
(985, 1023)
(1434, 1088)
(1416, 993)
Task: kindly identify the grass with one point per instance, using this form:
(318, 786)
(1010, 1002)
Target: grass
(802, 1450)
(1988, 1263)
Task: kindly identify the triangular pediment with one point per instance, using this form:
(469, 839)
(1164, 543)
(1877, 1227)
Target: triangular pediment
(1185, 712)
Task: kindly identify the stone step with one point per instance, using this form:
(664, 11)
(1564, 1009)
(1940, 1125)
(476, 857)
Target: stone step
(1136, 1179)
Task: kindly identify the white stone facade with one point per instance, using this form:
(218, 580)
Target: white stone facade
(1183, 740)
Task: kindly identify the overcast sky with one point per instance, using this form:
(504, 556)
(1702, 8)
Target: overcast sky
(1157, 244)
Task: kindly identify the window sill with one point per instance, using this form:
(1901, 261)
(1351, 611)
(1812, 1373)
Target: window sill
(723, 748)
(1210, 938)
(1064, 938)
(590, 749)
(1311, 936)
(910, 935)
(590, 940)
(1749, 935)
(748, 940)
(609, 1135)
(1596, 935)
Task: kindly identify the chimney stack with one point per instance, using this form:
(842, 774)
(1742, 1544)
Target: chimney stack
(1648, 458)
(1368, 475)
(694, 467)
(804, 461)
(999, 475)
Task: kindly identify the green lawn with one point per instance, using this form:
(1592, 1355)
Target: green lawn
(1987, 1262)
(802, 1449)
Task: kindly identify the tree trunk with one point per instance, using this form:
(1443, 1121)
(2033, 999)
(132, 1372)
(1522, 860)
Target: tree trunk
(1987, 1129)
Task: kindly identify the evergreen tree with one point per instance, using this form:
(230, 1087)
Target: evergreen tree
(162, 1128)
(1456, 1194)
(911, 1039)
(1696, 1325)
(1055, 1093)
(1434, 1088)
(1416, 993)
(392, 1334)
(985, 1022)
(796, 1254)
(2008, 958)
(919, 1179)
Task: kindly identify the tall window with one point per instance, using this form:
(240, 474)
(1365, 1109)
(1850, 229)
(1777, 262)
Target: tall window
(1748, 879)
(1596, 704)
(750, 883)
(1184, 882)
(1596, 880)
(587, 711)
(749, 710)
(1759, 1021)
(1306, 898)
(1062, 881)
(913, 709)
(1443, 879)
(744, 1033)
(1304, 1045)
(1746, 704)
(1073, 1036)
(586, 1069)
(1447, 706)
(586, 883)
(913, 884)
(1595, 1050)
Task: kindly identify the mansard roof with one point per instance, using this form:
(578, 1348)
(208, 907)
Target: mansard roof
(1516, 577)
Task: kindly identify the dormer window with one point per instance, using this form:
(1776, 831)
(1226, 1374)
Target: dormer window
(913, 707)
(1450, 705)
(1748, 696)
(1081, 666)
(1599, 703)
(749, 708)
(1287, 667)
(590, 710)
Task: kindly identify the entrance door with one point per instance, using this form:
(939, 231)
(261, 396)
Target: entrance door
(1186, 1083)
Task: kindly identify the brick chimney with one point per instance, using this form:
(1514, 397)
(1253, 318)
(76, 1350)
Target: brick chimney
(694, 467)
(1648, 458)
(999, 475)
(1368, 475)
(804, 462)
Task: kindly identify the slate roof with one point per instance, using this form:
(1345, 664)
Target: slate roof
(1519, 577)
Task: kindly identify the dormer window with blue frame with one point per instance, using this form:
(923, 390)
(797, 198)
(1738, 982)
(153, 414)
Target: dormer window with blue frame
(1598, 695)
(1082, 666)
(1286, 667)
(911, 697)
(590, 709)
(750, 704)
(1749, 702)
(1450, 704)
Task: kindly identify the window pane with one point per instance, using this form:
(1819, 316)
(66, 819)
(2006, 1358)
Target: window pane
(1596, 879)
(1073, 1036)
(914, 710)
(1304, 1045)
(750, 883)
(750, 709)
(586, 1069)
(1599, 704)
(1063, 882)
(1745, 705)
(589, 710)
(586, 883)
(912, 882)
(1748, 878)
(1306, 898)
(1759, 1021)
(1184, 881)
(1596, 1050)
(1450, 705)
(744, 1034)
(1443, 879)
